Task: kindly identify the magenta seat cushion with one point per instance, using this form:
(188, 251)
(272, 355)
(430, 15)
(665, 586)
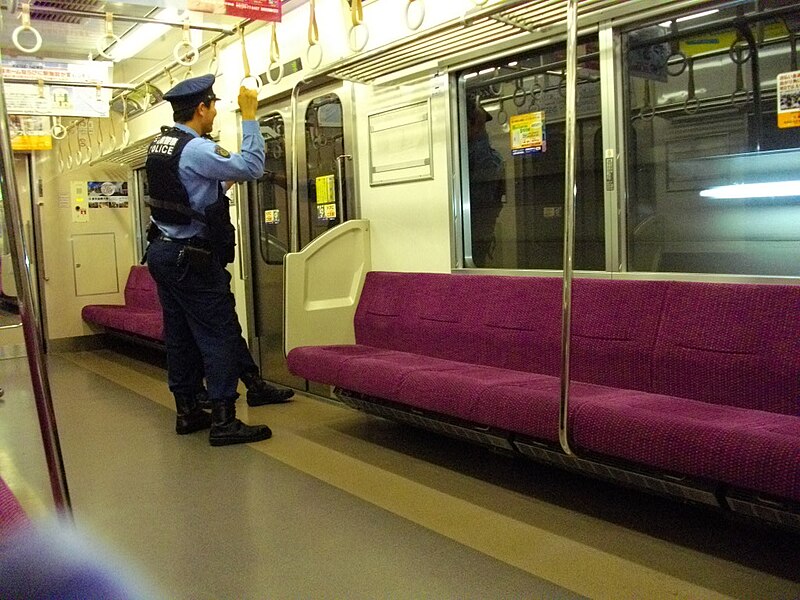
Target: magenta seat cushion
(750, 449)
(140, 315)
(12, 516)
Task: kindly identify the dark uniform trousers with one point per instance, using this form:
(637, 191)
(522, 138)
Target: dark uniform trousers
(201, 329)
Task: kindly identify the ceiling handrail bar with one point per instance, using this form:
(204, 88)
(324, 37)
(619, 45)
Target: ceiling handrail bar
(89, 14)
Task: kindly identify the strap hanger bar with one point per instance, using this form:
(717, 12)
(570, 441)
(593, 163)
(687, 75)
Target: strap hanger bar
(108, 86)
(87, 14)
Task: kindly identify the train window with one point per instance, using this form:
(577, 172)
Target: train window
(709, 162)
(271, 193)
(514, 138)
(324, 139)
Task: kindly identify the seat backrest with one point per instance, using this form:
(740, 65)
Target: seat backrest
(734, 344)
(140, 290)
(515, 322)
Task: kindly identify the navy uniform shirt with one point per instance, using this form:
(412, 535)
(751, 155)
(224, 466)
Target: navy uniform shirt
(204, 164)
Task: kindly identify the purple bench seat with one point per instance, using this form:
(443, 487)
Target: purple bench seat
(141, 314)
(688, 379)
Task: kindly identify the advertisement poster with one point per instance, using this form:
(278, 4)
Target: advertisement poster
(527, 133)
(30, 133)
(789, 100)
(56, 97)
(107, 194)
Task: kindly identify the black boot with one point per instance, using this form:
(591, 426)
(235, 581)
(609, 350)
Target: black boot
(227, 429)
(203, 401)
(190, 417)
(259, 392)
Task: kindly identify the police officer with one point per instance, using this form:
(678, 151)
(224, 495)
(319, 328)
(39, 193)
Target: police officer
(191, 241)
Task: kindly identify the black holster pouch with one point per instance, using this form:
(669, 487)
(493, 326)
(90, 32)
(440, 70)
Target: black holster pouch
(152, 233)
(198, 259)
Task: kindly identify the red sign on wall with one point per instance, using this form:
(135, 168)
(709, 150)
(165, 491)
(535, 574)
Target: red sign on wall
(259, 10)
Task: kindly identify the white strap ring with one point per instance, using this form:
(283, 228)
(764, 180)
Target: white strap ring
(36, 35)
(103, 43)
(415, 6)
(186, 53)
(352, 37)
(58, 131)
(258, 86)
(314, 56)
(274, 80)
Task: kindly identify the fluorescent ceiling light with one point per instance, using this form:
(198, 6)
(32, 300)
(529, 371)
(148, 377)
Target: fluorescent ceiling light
(697, 15)
(773, 189)
(141, 36)
(485, 71)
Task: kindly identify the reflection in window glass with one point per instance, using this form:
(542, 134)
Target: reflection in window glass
(701, 108)
(271, 193)
(514, 136)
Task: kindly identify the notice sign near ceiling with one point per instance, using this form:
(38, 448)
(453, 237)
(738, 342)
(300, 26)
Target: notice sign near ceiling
(260, 10)
(25, 95)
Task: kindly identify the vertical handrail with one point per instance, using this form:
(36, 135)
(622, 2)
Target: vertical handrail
(569, 220)
(30, 326)
(294, 242)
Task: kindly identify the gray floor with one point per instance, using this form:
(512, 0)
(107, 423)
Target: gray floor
(342, 505)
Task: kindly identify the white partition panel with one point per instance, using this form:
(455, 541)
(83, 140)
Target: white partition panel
(323, 284)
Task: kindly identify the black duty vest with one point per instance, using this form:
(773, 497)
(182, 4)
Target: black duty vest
(169, 201)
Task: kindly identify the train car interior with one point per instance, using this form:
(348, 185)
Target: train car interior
(531, 268)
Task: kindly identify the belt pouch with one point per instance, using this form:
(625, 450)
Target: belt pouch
(196, 258)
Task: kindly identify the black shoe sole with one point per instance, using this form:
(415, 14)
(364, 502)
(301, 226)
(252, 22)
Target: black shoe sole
(229, 441)
(282, 399)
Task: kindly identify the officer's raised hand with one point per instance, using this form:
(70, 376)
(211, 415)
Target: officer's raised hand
(248, 102)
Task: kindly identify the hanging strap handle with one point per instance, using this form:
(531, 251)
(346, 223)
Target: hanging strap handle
(109, 38)
(357, 21)
(246, 64)
(26, 26)
(185, 52)
(214, 62)
(274, 57)
(415, 14)
(314, 50)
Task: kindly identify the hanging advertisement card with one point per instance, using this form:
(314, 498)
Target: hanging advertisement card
(30, 133)
(789, 100)
(527, 133)
(56, 98)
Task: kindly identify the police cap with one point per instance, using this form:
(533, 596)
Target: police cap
(191, 92)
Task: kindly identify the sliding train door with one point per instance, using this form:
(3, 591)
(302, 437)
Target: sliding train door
(322, 133)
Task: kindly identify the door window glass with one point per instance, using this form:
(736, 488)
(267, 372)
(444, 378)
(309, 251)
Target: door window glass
(324, 138)
(513, 153)
(712, 163)
(271, 193)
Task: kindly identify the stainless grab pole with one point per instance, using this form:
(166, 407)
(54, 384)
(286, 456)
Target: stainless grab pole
(569, 220)
(30, 326)
(294, 243)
